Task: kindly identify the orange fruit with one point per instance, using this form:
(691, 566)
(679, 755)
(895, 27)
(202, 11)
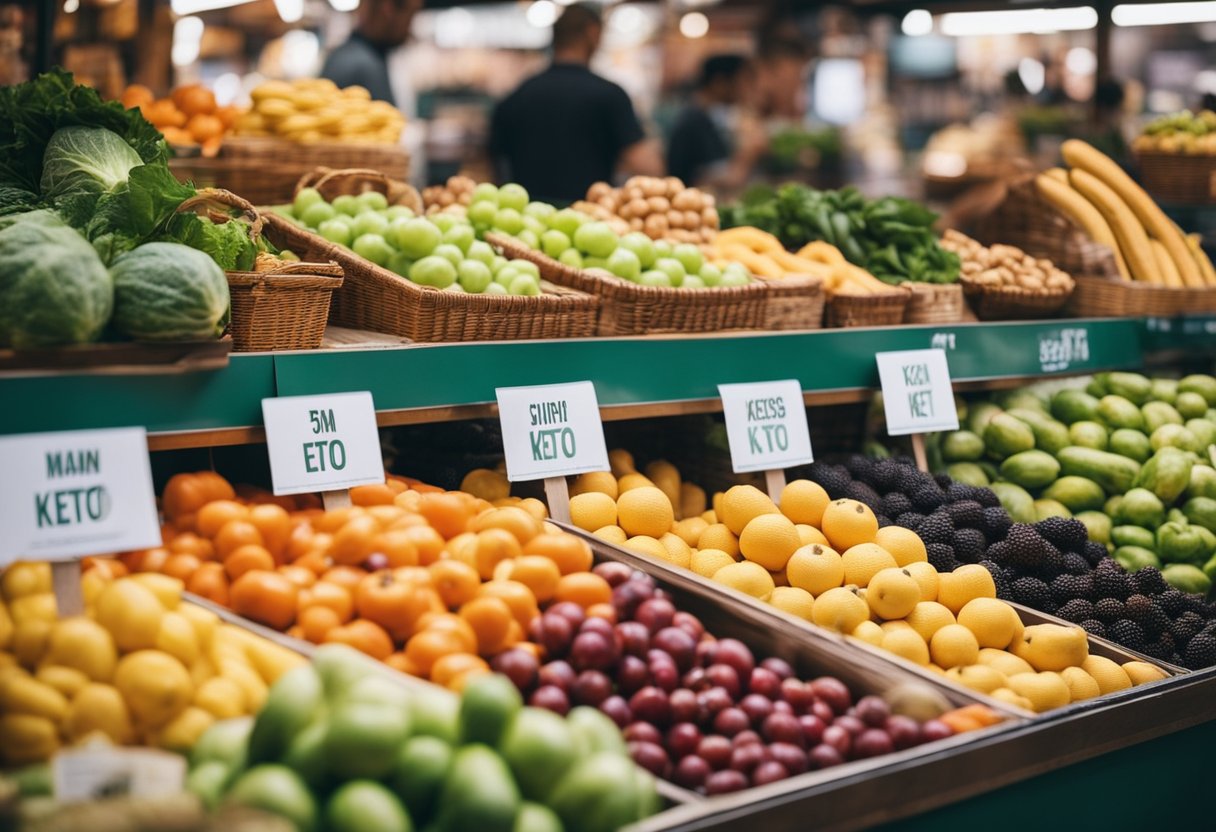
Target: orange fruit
(274, 524)
(490, 618)
(315, 622)
(455, 581)
(427, 542)
(448, 514)
(450, 623)
(363, 635)
(212, 517)
(570, 553)
(245, 558)
(378, 494)
(397, 547)
(194, 99)
(331, 595)
(189, 543)
(523, 525)
(444, 671)
(209, 581)
(301, 576)
(181, 566)
(494, 546)
(604, 611)
(355, 540)
(234, 535)
(518, 597)
(584, 588)
(429, 646)
(347, 577)
(537, 573)
(203, 127)
(136, 95)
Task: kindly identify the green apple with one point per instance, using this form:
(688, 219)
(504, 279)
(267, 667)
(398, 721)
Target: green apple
(624, 263)
(398, 212)
(372, 201)
(672, 268)
(731, 278)
(529, 238)
(525, 267)
(449, 252)
(336, 231)
(534, 225)
(642, 246)
(654, 277)
(497, 264)
(571, 258)
(554, 242)
(455, 288)
(346, 204)
(595, 238)
(481, 214)
(400, 263)
(737, 270)
(444, 222)
(416, 237)
(525, 284)
(567, 221)
(710, 274)
(508, 221)
(485, 192)
(481, 251)
(541, 210)
(496, 289)
(505, 275)
(513, 196)
(433, 271)
(369, 222)
(316, 214)
(305, 199)
(595, 263)
(474, 276)
(689, 256)
(373, 247)
(693, 282)
(461, 235)
(662, 248)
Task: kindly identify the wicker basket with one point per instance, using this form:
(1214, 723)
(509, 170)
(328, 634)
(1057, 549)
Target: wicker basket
(1178, 178)
(1010, 303)
(932, 303)
(265, 170)
(629, 309)
(1025, 220)
(377, 299)
(884, 309)
(354, 181)
(794, 302)
(1097, 297)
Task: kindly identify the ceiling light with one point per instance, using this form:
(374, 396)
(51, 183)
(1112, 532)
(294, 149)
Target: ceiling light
(1032, 74)
(694, 25)
(187, 7)
(1019, 22)
(1081, 60)
(290, 11)
(70, 6)
(344, 5)
(542, 14)
(1160, 14)
(916, 23)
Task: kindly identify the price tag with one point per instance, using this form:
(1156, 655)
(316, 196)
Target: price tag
(551, 430)
(94, 773)
(322, 443)
(916, 392)
(766, 425)
(74, 493)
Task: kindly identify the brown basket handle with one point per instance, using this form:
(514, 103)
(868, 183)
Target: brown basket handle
(209, 198)
(397, 193)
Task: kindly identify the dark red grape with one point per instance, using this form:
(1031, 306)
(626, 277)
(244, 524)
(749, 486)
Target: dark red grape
(838, 738)
(551, 698)
(591, 687)
(678, 644)
(707, 652)
(779, 666)
(557, 673)
(714, 700)
(689, 623)
(873, 742)
(825, 756)
(745, 738)
(770, 771)
(556, 634)
(793, 757)
(823, 710)
(601, 627)
(872, 710)
(628, 596)
(633, 638)
(655, 613)
(520, 666)
(812, 729)
(617, 710)
(651, 757)
(665, 674)
(684, 707)
(756, 707)
(643, 732)
(934, 730)
(570, 611)
(745, 758)
(731, 721)
(691, 772)
(683, 739)
(736, 654)
(725, 781)
(797, 694)
(592, 651)
(632, 674)
(696, 680)
(904, 731)
(782, 707)
(832, 691)
(612, 572)
(764, 682)
(851, 724)
(715, 750)
(724, 676)
(650, 703)
(783, 728)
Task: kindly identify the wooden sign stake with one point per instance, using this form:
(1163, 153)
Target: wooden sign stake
(774, 482)
(558, 495)
(336, 499)
(918, 451)
(65, 581)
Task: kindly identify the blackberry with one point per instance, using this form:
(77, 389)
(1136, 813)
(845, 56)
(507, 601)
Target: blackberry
(1093, 627)
(937, 528)
(1000, 579)
(966, 514)
(1094, 552)
(1197, 604)
(1065, 532)
(860, 467)
(1139, 608)
(884, 521)
(1051, 562)
(833, 480)
(895, 504)
(1025, 546)
(969, 545)
(987, 498)
(1110, 584)
(1156, 623)
(1109, 610)
(1127, 633)
(910, 520)
(1185, 627)
(1075, 564)
(957, 491)
(999, 552)
(1032, 592)
(1173, 603)
(1067, 588)
(912, 480)
(862, 493)
(1200, 651)
(928, 498)
(995, 522)
(885, 475)
(1076, 610)
(941, 556)
(943, 481)
(1161, 647)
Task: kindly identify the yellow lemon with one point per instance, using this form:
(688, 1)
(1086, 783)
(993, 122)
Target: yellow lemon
(1142, 672)
(863, 561)
(1010, 698)
(666, 478)
(1052, 646)
(1081, 685)
(870, 633)
(954, 645)
(645, 511)
(593, 510)
(156, 686)
(848, 523)
(631, 481)
(23, 694)
(892, 626)
(183, 732)
(743, 503)
(600, 482)
(677, 550)
(769, 540)
(717, 536)
(994, 622)
(646, 545)
(955, 589)
(793, 600)
(1046, 691)
(131, 612)
(904, 545)
(927, 617)
(84, 645)
(815, 568)
(803, 502)
(747, 577)
(621, 462)
(839, 609)
(221, 697)
(906, 643)
(66, 680)
(979, 677)
(612, 534)
(710, 516)
(692, 500)
(810, 534)
(690, 529)
(177, 638)
(489, 485)
(893, 593)
(100, 708)
(1004, 661)
(166, 589)
(708, 561)
(1109, 676)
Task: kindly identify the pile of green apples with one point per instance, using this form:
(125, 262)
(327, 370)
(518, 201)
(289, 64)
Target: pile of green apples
(442, 251)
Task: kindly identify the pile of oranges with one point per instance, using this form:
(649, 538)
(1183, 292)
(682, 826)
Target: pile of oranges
(433, 583)
(189, 116)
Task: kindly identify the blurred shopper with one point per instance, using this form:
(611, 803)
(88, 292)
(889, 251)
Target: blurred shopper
(713, 143)
(381, 26)
(567, 128)
(781, 75)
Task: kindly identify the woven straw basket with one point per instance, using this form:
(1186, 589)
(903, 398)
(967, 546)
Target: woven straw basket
(1008, 303)
(629, 309)
(883, 309)
(794, 302)
(1178, 178)
(933, 303)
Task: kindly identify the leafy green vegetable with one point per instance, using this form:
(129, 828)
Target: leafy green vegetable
(16, 200)
(80, 166)
(166, 292)
(137, 211)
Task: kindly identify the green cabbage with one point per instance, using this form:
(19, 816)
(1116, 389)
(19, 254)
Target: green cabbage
(54, 288)
(81, 160)
(168, 292)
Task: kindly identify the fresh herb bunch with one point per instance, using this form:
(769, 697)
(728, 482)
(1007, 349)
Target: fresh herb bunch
(892, 237)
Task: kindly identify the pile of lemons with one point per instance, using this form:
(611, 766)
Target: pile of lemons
(316, 110)
(828, 562)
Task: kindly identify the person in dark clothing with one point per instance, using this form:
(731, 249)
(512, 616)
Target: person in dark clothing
(701, 150)
(382, 26)
(567, 128)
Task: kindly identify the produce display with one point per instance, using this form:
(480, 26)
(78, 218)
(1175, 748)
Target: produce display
(763, 254)
(1101, 199)
(458, 190)
(1005, 267)
(662, 208)
(1185, 132)
(189, 116)
(141, 667)
(315, 110)
(892, 238)
(340, 747)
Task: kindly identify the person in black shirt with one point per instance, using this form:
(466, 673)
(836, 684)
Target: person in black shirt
(701, 150)
(567, 128)
(382, 26)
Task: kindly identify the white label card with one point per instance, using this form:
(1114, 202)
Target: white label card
(95, 773)
(916, 391)
(322, 443)
(74, 493)
(551, 430)
(766, 425)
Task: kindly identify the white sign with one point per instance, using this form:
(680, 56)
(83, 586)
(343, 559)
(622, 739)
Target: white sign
(322, 443)
(551, 430)
(96, 773)
(766, 425)
(76, 493)
(916, 391)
